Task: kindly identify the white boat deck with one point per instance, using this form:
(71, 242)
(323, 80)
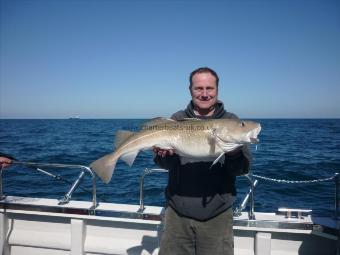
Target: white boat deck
(42, 226)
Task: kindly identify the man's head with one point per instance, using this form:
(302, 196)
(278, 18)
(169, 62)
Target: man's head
(204, 70)
(204, 90)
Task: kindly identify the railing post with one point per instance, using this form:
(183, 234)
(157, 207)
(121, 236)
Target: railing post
(252, 203)
(141, 185)
(247, 199)
(1, 188)
(251, 215)
(94, 188)
(337, 197)
(141, 191)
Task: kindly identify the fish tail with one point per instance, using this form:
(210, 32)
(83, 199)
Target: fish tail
(105, 166)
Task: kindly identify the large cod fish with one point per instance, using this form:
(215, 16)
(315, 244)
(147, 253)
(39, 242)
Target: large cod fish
(198, 140)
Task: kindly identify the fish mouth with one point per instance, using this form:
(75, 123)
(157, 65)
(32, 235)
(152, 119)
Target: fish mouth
(253, 135)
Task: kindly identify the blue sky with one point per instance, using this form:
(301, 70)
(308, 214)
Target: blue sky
(131, 59)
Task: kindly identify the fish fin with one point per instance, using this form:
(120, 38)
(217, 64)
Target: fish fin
(104, 167)
(227, 147)
(212, 144)
(160, 119)
(121, 136)
(223, 145)
(129, 158)
(191, 119)
(218, 159)
(156, 122)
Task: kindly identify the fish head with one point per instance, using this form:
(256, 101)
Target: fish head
(238, 131)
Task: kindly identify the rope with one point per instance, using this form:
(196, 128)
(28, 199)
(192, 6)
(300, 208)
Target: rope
(295, 182)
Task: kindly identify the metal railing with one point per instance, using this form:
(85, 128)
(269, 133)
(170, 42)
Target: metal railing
(68, 195)
(337, 196)
(249, 197)
(335, 177)
(74, 186)
(141, 185)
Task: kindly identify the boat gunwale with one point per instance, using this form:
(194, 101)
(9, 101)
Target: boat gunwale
(151, 214)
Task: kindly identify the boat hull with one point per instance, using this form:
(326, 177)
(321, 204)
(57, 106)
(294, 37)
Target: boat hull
(42, 226)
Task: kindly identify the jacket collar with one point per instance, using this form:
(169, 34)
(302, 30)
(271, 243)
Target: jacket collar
(218, 113)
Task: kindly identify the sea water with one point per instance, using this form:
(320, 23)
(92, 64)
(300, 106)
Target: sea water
(289, 150)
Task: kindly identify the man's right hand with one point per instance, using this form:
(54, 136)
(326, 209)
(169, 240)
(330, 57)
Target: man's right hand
(163, 152)
(4, 162)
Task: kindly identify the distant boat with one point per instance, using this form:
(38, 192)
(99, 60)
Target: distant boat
(74, 118)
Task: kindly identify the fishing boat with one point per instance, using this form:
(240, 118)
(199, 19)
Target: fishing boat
(74, 118)
(33, 225)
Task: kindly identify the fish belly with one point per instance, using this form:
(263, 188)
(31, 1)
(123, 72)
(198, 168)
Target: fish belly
(196, 145)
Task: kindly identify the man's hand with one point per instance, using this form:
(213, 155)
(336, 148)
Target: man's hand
(4, 162)
(163, 152)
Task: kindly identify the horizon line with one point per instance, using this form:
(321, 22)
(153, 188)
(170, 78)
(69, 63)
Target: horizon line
(75, 119)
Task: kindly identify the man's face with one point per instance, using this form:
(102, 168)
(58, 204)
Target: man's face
(204, 91)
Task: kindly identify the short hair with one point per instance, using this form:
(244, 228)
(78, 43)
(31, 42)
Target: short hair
(204, 70)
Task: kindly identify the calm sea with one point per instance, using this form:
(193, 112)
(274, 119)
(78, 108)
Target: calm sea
(290, 149)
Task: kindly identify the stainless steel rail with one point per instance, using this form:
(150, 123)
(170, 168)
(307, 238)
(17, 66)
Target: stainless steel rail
(141, 185)
(1, 185)
(48, 165)
(337, 196)
(335, 177)
(251, 214)
(74, 186)
(247, 197)
(18, 204)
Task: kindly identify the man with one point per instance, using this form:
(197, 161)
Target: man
(199, 218)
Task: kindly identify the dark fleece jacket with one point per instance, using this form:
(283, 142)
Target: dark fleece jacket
(197, 190)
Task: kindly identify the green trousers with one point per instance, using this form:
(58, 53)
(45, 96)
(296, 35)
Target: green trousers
(184, 236)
